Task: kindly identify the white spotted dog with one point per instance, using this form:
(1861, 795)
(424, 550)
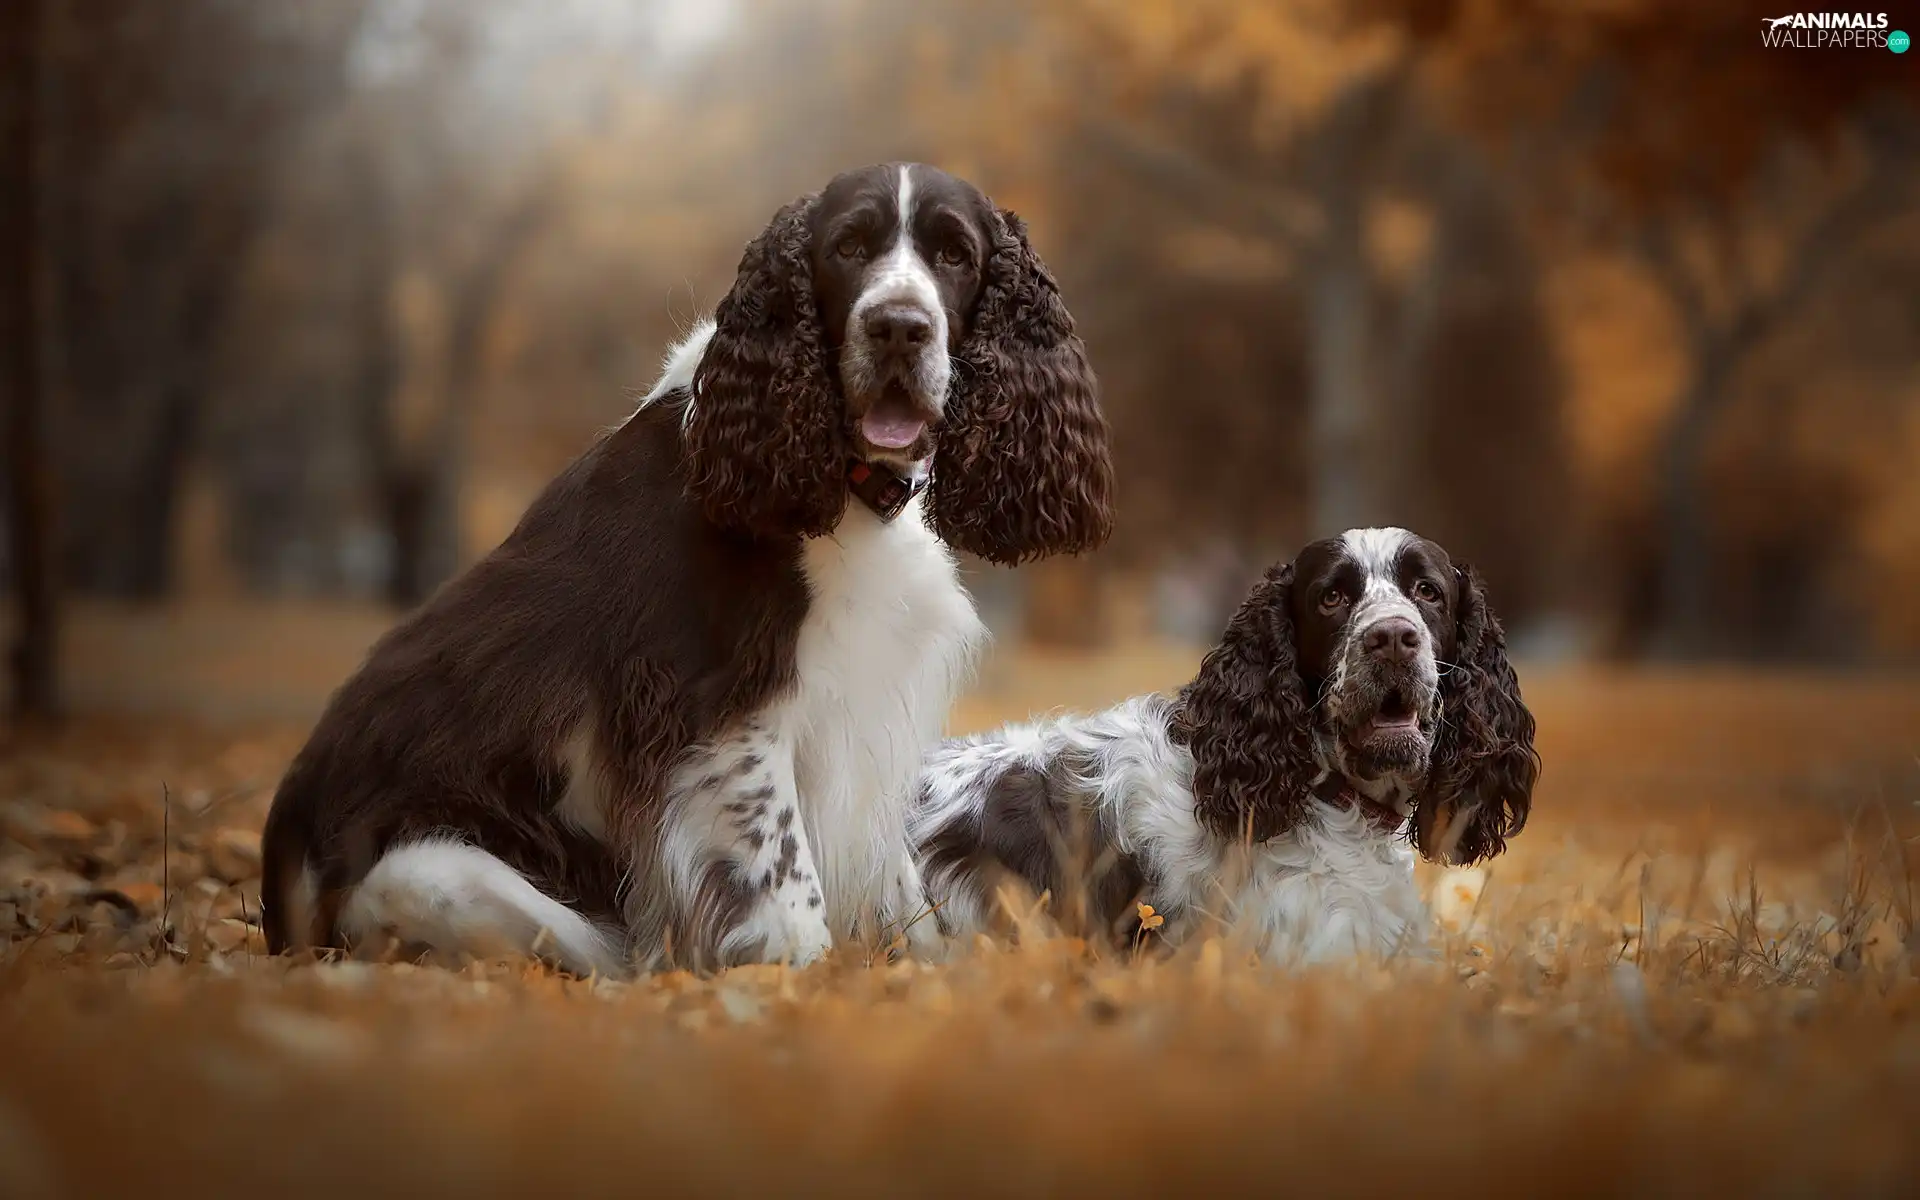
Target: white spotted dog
(677, 715)
(1358, 710)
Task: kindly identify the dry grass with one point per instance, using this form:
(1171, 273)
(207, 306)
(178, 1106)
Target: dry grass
(1696, 970)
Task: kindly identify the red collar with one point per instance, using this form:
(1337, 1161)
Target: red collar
(1338, 793)
(881, 490)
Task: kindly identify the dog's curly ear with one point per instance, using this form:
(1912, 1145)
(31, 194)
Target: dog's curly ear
(1246, 718)
(766, 436)
(1022, 467)
(1480, 779)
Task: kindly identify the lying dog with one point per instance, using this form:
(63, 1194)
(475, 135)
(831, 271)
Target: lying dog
(1360, 707)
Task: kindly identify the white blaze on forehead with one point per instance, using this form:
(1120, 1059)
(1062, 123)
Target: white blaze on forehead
(1378, 553)
(1377, 550)
(906, 205)
(900, 276)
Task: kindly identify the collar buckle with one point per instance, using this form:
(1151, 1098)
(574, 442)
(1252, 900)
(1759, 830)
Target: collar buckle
(881, 489)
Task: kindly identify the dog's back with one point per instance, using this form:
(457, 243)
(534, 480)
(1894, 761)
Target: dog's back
(458, 723)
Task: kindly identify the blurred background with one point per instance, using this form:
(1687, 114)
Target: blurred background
(302, 303)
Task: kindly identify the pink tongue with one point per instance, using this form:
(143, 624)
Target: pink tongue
(892, 430)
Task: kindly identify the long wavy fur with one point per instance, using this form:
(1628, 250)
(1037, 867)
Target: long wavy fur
(1480, 781)
(1246, 718)
(767, 440)
(1022, 468)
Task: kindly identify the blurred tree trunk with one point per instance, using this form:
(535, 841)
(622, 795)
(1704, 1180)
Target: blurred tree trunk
(171, 122)
(1347, 410)
(402, 454)
(1721, 336)
(1341, 419)
(156, 497)
(1474, 401)
(421, 486)
(30, 491)
(144, 297)
(1325, 227)
(1686, 551)
(418, 455)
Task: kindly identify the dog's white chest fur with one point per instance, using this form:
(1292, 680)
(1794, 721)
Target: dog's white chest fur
(890, 636)
(1333, 889)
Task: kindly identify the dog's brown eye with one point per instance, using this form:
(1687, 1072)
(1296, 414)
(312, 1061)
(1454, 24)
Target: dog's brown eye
(1422, 590)
(850, 246)
(1332, 600)
(952, 256)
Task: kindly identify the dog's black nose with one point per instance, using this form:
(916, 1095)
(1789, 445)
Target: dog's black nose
(898, 328)
(1395, 639)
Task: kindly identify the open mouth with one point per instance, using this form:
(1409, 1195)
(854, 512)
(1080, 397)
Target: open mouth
(1392, 737)
(894, 422)
(1395, 714)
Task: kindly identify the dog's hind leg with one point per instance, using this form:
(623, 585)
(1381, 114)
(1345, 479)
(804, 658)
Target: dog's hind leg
(456, 899)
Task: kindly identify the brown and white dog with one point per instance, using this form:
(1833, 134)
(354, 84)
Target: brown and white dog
(678, 712)
(1359, 709)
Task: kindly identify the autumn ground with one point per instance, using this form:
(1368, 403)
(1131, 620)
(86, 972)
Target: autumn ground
(1696, 970)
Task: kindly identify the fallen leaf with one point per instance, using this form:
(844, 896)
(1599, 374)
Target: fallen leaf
(227, 936)
(233, 855)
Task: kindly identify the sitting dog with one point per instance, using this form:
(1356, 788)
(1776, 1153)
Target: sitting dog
(677, 714)
(1360, 707)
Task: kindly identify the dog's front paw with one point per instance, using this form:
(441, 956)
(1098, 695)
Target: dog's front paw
(775, 933)
(805, 946)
